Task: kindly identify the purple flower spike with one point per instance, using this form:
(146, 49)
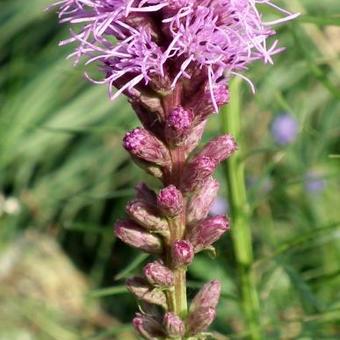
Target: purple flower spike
(173, 325)
(178, 125)
(130, 233)
(182, 253)
(173, 59)
(200, 203)
(170, 201)
(146, 147)
(148, 327)
(204, 233)
(284, 129)
(159, 275)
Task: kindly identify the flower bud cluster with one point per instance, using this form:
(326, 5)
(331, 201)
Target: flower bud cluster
(173, 223)
(154, 219)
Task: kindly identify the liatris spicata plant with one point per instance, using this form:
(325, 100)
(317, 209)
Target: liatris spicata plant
(173, 60)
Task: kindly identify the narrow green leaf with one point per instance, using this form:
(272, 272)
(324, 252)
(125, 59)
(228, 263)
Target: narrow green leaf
(298, 241)
(131, 267)
(85, 228)
(320, 21)
(107, 292)
(308, 299)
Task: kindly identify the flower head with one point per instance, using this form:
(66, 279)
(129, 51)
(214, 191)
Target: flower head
(217, 39)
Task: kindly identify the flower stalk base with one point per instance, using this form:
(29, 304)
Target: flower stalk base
(241, 235)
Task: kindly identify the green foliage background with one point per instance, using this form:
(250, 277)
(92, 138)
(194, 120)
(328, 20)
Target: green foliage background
(61, 158)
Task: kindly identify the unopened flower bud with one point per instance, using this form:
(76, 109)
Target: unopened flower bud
(130, 233)
(143, 192)
(199, 320)
(204, 233)
(142, 290)
(146, 216)
(174, 326)
(194, 137)
(159, 275)
(182, 253)
(219, 148)
(170, 201)
(178, 125)
(208, 296)
(197, 172)
(200, 202)
(148, 327)
(146, 147)
(203, 105)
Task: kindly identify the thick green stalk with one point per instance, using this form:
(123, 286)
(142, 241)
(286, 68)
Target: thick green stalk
(177, 230)
(241, 232)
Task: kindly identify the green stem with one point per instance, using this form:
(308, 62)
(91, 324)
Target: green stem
(177, 230)
(241, 232)
(180, 292)
(177, 298)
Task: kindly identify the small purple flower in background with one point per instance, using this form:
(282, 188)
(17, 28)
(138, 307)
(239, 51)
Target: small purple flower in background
(220, 206)
(260, 185)
(314, 182)
(284, 129)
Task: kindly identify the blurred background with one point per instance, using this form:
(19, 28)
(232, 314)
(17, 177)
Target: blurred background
(64, 180)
